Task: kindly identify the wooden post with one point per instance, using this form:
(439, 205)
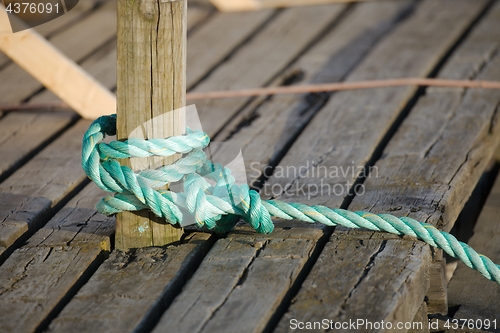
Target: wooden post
(151, 82)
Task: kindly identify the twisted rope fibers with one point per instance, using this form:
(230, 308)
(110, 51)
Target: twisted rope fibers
(220, 206)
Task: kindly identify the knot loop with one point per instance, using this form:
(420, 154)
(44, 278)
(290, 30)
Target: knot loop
(217, 207)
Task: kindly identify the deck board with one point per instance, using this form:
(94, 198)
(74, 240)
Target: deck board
(415, 178)
(22, 135)
(66, 250)
(475, 297)
(429, 156)
(255, 65)
(282, 118)
(129, 288)
(34, 280)
(217, 39)
(35, 191)
(247, 266)
(208, 303)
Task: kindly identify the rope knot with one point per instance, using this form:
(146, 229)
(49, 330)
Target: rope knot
(209, 196)
(216, 206)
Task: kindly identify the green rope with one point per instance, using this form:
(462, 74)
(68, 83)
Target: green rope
(219, 207)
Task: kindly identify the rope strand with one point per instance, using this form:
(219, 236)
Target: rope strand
(219, 207)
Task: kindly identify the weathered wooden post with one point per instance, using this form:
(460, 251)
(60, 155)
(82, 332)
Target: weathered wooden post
(151, 82)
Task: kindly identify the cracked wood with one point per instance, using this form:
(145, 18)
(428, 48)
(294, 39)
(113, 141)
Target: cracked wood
(151, 90)
(130, 289)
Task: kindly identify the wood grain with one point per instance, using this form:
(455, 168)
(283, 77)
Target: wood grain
(35, 191)
(282, 118)
(129, 289)
(221, 35)
(412, 175)
(77, 224)
(24, 134)
(38, 279)
(151, 90)
(219, 307)
(35, 280)
(414, 281)
(287, 36)
(420, 319)
(224, 288)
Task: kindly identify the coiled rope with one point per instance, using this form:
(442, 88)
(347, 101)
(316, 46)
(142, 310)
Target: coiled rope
(220, 206)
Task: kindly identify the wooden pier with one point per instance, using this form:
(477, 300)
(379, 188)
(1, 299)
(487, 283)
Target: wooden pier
(409, 151)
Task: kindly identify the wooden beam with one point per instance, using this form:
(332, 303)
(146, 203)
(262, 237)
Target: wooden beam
(55, 71)
(151, 84)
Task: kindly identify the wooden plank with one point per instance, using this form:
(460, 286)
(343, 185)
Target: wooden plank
(77, 42)
(24, 134)
(32, 52)
(368, 263)
(409, 51)
(39, 278)
(223, 289)
(207, 47)
(282, 118)
(33, 192)
(101, 66)
(221, 35)
(50, 67)
(437, 295)
(29, 278)
(434, 195)
(77, 224)
(130, 289)
(468, 290)
(151, 92)
(257, 65)
(420, 324)
(196, 15)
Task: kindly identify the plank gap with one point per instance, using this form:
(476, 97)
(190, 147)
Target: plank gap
(420, 91)
(41, 219)
(152, 317)
(4, 174)
(338, 19)
(84, 278)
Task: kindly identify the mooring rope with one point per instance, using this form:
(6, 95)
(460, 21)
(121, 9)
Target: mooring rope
(219, 206)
